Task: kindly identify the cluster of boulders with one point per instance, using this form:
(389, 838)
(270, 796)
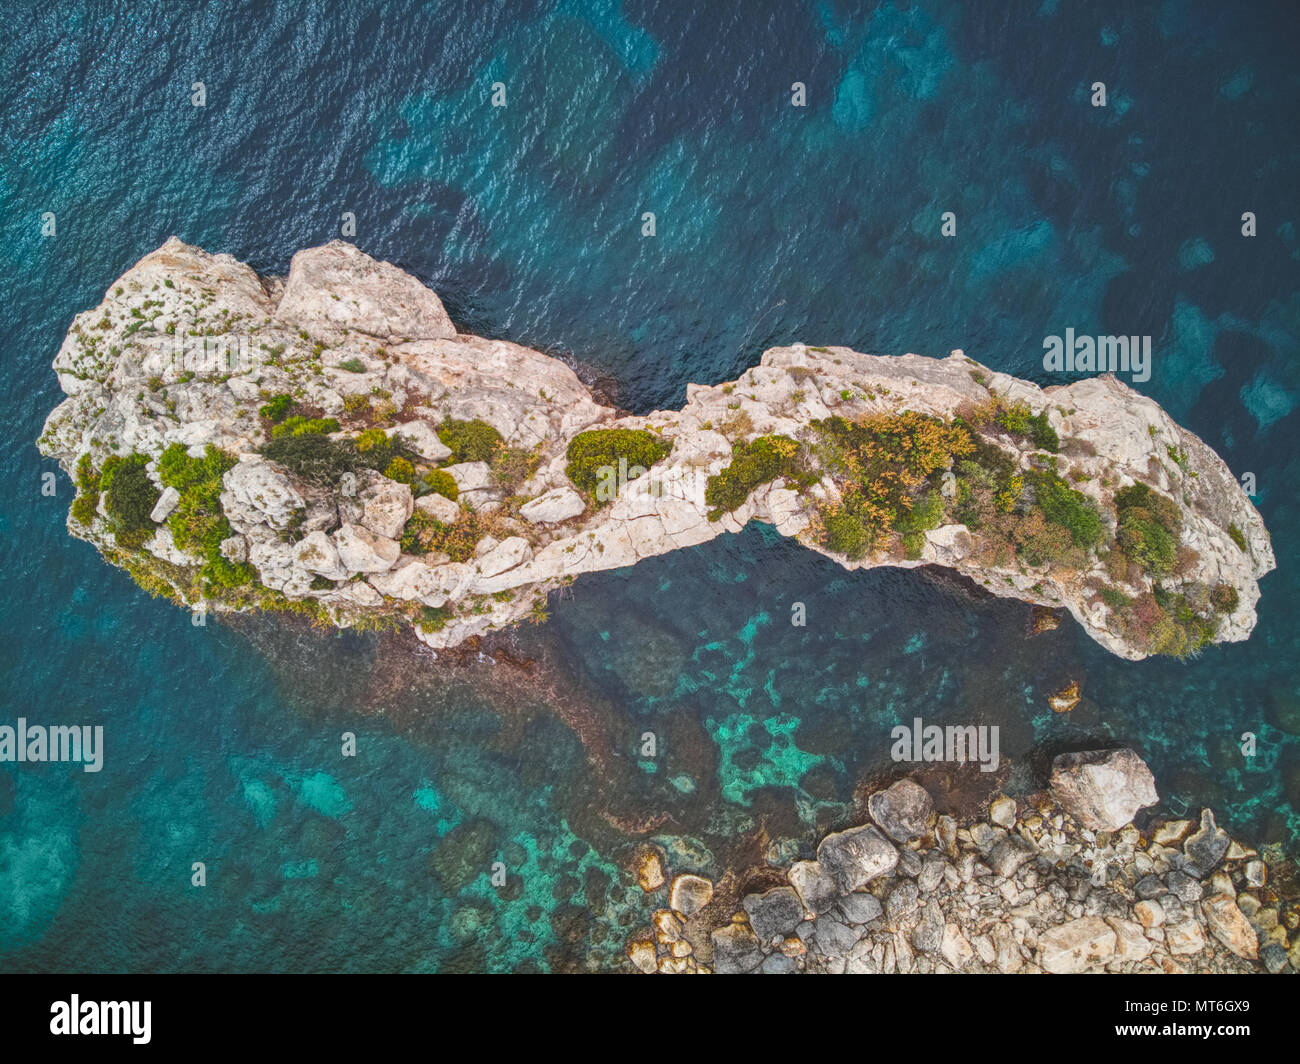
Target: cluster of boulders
(1060, 883)
(363, 342)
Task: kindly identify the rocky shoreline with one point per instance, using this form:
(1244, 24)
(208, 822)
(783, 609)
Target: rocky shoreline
(1059, 882)
(329, 445)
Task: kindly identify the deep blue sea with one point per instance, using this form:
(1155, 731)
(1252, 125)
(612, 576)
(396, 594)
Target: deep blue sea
(775, 224)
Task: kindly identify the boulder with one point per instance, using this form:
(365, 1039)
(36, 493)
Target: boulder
(340, 286)
(860, 908)
(735, 950)
(1205, 847)
(1229, 925)
(690, 894)
(386, 506)
(1102, 789)
(902, 810)
(258, 493)
(504, 556)
(420, 437)
(471, 476)
(855, 857)
(814, 885)
(559, 504)
(318, 554)
(165, 505)
(1076, 946)
(439, 507)
(774, 913)
(361, 551)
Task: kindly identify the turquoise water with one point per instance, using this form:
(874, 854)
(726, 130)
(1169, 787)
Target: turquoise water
(775, 224)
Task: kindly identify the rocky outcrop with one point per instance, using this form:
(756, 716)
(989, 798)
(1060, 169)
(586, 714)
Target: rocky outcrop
(1034, 892)
(193, 350)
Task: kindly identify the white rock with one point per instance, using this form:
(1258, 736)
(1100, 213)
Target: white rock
(317, 553)
(471, 476)
(559, 504)
(165, 505)
(505, 555)
(421, 437)
(361, 551)
(439, 507)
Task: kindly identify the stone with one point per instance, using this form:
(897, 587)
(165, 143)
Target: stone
(317, 553)
(554, 506)
(234, 549)
(1131, 942)
(927, 936)
(255, 492)
(1184, 937)
(1151, 886)
(1184, 886)
(649, 871)
(1171, 832)
(955, 950)
(814, 885)
(1065, 699)
(667, 926)
(420, 437)
(1256, 874)
(642, 954)
(165, 505)
(1229, 925)
(945, 831)
(833, 938)
(505, 556)
(1149, 913)
(902, 900)
(860, 908)
(902, 810)
(1205, 847)
(471, 476)
(778, 964)
(932, 869)
(439, 507)
(386, 506)
(690, 894)
(1274, 958)
(361, 551)
(1076, 946)
(1008, 957)
(1002, 811)
(774, 913)
(1102, 789)
(856, 856)
(735, 950)
(1008, 855)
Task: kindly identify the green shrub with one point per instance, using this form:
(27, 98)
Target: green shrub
(1237, 536)
(198, 524)
(129, 498)
(913, 545)
(276, 407)
(1149, 527)
(314, 458)
(437, 482)
(597, 455)
(470, 441)
(758, 462)
(400, 470)
(1042, 433)
(85, 507)
(353, 365)
(847, 534)
(302, 426)
(1064, 506)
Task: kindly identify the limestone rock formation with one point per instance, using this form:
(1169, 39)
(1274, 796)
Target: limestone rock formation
(309, 440)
